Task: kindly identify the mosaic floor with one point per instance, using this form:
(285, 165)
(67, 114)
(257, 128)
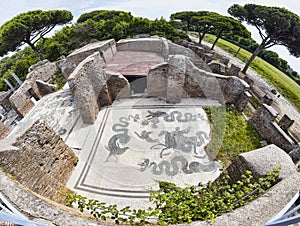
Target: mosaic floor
(136, 142)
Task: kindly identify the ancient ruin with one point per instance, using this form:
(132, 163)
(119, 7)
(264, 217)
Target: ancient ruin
(130, 114)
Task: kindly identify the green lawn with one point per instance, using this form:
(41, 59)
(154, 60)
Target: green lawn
(284, 84)
(231, 134)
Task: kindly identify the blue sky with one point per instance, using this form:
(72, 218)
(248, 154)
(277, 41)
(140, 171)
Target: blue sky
(149, 8)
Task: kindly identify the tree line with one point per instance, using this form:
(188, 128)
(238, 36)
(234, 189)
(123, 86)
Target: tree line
(277, 26)
(31, 27)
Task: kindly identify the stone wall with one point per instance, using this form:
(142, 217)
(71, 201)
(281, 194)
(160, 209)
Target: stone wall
(4, 100)
(43, 162)
(264, 121)
(175, 49)
(106, 49)
(175, 78)
(200, 83)
(92, 87)
(21, 99)
(86, 83)
(156, 45)
(43, 70)
(182, 79)
(157, 81)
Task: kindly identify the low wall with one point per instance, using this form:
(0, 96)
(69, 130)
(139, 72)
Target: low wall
(42, 162)
(43, 70)
(264, 121)
(106, 49)
(180, 78)
(156, 45)
(175, 49)
(200, 83)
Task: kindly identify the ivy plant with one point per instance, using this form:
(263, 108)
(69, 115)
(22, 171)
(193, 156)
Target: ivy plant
(174, 205)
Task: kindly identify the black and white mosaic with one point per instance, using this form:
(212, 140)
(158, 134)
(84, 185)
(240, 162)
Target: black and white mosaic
(135, 147)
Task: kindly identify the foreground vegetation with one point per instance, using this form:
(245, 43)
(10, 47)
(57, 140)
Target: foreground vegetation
(175, 205)
(284, 84)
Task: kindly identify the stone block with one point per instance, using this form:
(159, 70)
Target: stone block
(264, 115)
(199, 51)
(285, 122)
(118, 86)
(208, 57)
(44, 87)
(295, 154)
(243, 100)
(176, 77)
(21, 103)
(234, 70)
(260, 162)
(217, 67)
(267, 99)
(249, 80)
(4, 100)
(157, 81)
(224, 60)
(264, 121)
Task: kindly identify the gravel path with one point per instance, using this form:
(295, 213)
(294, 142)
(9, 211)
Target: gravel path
(261, 86)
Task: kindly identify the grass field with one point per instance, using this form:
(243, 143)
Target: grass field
(231, 134)
(284, 84)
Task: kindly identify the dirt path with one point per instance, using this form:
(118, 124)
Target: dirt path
(261, 86)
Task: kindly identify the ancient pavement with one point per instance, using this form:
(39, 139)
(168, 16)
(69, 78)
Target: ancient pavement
(136, 142)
